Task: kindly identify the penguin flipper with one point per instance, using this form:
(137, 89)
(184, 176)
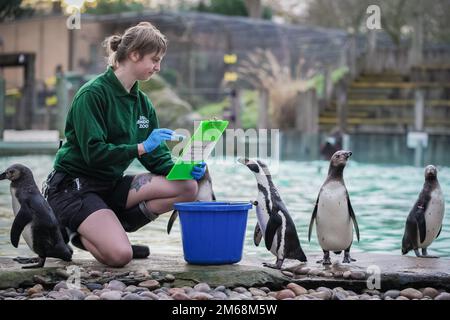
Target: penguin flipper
(421, 224)
(313, 217)
(172, 219)
(352, 215)
(409, 240)
(257, 235)
(439, 232)
(271, 229)
(22, 218)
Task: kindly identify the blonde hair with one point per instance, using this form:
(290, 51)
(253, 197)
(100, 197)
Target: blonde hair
(143, 38)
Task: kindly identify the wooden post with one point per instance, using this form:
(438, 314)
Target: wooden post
(341, 100)
(419, 114)
(416, 53)
(2, 105)
(307, 119)
(63, 103)
(263, 120)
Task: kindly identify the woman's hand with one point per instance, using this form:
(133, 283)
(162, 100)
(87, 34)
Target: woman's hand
(155, 138)
(198, 171)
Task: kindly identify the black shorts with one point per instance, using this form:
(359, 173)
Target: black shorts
(74, 199)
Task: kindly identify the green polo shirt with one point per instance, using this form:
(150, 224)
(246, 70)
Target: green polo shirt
(103, 127)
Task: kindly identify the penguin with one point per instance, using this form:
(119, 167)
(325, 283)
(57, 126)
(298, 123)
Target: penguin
(274, 224)
(424, 222)
(34, 219)
(205, 193)
(333, 212)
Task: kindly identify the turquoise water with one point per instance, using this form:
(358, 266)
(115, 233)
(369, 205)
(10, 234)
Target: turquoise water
(381, 197)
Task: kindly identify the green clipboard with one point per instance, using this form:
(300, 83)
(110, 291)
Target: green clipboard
(198, 148)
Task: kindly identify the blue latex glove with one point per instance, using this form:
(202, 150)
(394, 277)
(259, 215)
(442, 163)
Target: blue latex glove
(155, 138)
(198, 171)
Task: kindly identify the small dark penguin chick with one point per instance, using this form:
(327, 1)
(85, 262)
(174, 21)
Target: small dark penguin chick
(35, 218)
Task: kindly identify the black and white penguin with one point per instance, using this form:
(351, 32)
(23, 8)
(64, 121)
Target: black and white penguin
(333, 212)
(424, 222)
(35, 218)
(275, 224)
(205, 193)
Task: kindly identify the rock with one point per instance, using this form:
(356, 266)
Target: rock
(323, 295)
(265, 289)
(149, 294)
(219, 295)
(94, 286)
(111, 295)
(401, 298)
(130, 289)
(302, 271)
(443, 296)
(338, 274)
(220, 288)
(358, 275)
(180, 296)
(365, 296)
(95, 274)
(327, 274)
(314, 272)
(35, 289)
(132, 296)
(41, 279)
(60, 285)
(297, 289)
(201, 296)
(202, 287)
(372, 292)
(172, 291)
(76, 294)
(287, 273)
(150, 284)
(391, 293)
(257, 292)
(388, 298)
(58, 295)
(169, 277)
(155, 275)
(430, 292)
(240, 290)
(285, 294)
(115, 285)
(411, 293)
(352, 298)
(340, 295)
(347, 274)
(92, 297)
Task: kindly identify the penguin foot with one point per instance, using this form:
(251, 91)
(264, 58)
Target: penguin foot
(40, 263)
(429, 256)
(324, 262)
(348, 260)
(276, 265)
(25, 260)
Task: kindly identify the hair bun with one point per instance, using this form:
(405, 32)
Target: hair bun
(114, 42)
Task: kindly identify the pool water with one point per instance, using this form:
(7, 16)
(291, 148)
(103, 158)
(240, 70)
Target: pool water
(381, 196)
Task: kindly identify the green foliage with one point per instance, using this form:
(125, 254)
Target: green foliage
(230, 8)
(112, 6)
(9, 10)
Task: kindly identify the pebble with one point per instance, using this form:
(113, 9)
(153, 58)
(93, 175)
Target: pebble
(443, 296)
(391, 293)
(150, 284)
(92, 297)
(132, 296)
(240, 290)
(358, 275)
(297, 289)
(115, 285)
(258, 293)
(149, 294)
(111, 295)
(284, 294)
(347, 274)
(169, 277)
(60, 285)
(35, 289)
(430, 292)
(220, 288)
(180, 296)
(95, 274)
(401, 298)
(219, 295)
(411, 293)
(202, 287)
(94, 286)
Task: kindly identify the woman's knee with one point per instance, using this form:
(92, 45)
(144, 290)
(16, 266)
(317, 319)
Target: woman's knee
(189, 189)
(118, 257)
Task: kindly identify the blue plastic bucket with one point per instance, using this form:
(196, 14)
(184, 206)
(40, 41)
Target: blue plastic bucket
(213, 232)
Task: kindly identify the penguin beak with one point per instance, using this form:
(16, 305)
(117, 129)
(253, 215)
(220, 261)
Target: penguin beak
(3, 176)
(348, 154)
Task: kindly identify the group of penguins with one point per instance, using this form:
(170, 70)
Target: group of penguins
(333, 215)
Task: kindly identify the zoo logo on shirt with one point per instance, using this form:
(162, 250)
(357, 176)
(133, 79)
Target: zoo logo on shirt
(143, 122)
